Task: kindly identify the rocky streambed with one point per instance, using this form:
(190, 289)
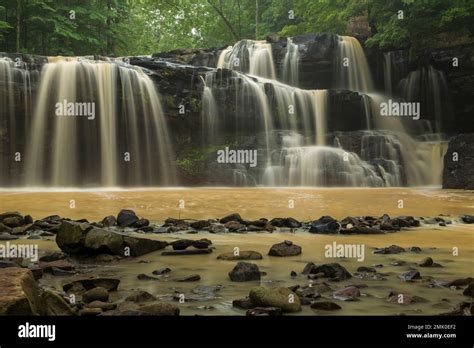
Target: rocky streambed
(124, 264)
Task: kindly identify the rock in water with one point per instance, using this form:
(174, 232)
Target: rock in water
(350, 293)
(19, 292)
(325, 306)
(264, 312)
(242, 255)
(392, 249)
(75, 238)
(467, 219)
(325, 224)
(469, 291)
(426, 262)
(286, 248)
(231, 217)
(334, 271)
(282, 298)
(55, 304)
(96, 294)
(126, 218)
(244, 272)
(109, 221)
(109, 284)
(410, 276)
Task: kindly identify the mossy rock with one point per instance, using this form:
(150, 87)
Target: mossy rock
(281, 297)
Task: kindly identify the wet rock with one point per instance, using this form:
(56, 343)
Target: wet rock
(366, 269)
(109, 221)
(469, 291)
(231, 217)
(285, 222)
(201, 224)
(103, 241)
(13, 221)
(191, 278)
(217, 228)
(181, 244)
(467, 219)
(464, 308)
(286, 248)
(369, 276)
(242, 255)
(281, 297)
(410, 276)
(59, 264)
(398, 263)
(109, 284)
(350, 293)
(53, 256)
(10, 214)
(325, 306)
(392, 249)
(261, 223)
(104, 306)
(37, 271)
(415, 249)
(307, 291)
(8, 263)
(460, 282)
(90, 312)
(7, 236)
(186, 252)
(361, 230)
(140, 296)
(325, 224)
(61, 272)
(160, 309)
(244, 272)
(55, 305)
(4, 228)
(235, 226)
(243, 303)
(141, 224)
(19, 292)
(126, 218)
(143, 276)
(406, 221)
(95, 294)
(333, 271)
(161, 271)
(293, 274)
(201, 243)
(264, 312)
(404, 299)
(426, 262)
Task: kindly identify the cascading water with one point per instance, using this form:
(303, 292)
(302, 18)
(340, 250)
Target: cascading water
(428, 86)
(352, 65)
(291, 64)
(66, 150)
(16, 95)
(249, 56)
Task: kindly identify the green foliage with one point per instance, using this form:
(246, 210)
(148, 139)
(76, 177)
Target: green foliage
(132, 27)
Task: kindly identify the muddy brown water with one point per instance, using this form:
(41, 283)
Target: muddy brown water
(435, 241)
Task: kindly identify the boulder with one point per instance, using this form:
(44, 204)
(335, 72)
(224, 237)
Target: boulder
(19, 292)
(325, 306)
(458, 170)
(264, 312)
(426, 262)
(333, 271)
(392, 249)
(231, 217)
(54, 304)
(109, 221)
(181, 244)
(96, 294)
(126, 218)
(73, 237)
(242, 255)
(467, 219)
(140, 296)
(351, 293)
(469, 291)
(286, 248)
(201, 224)
(284, 222)
(244, 272)
(160, 309)
(281, 297)
(109, 284)
(325, 224)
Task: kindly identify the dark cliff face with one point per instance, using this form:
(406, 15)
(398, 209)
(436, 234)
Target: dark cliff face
(458, 170)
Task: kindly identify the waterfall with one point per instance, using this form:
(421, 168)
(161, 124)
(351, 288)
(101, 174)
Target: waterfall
(68, 150)
(249, 56)
(209, 111)
(291, 64)
(353, 69)
(16, 95)
(387, 72)
(429, 87)
(325, 166)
